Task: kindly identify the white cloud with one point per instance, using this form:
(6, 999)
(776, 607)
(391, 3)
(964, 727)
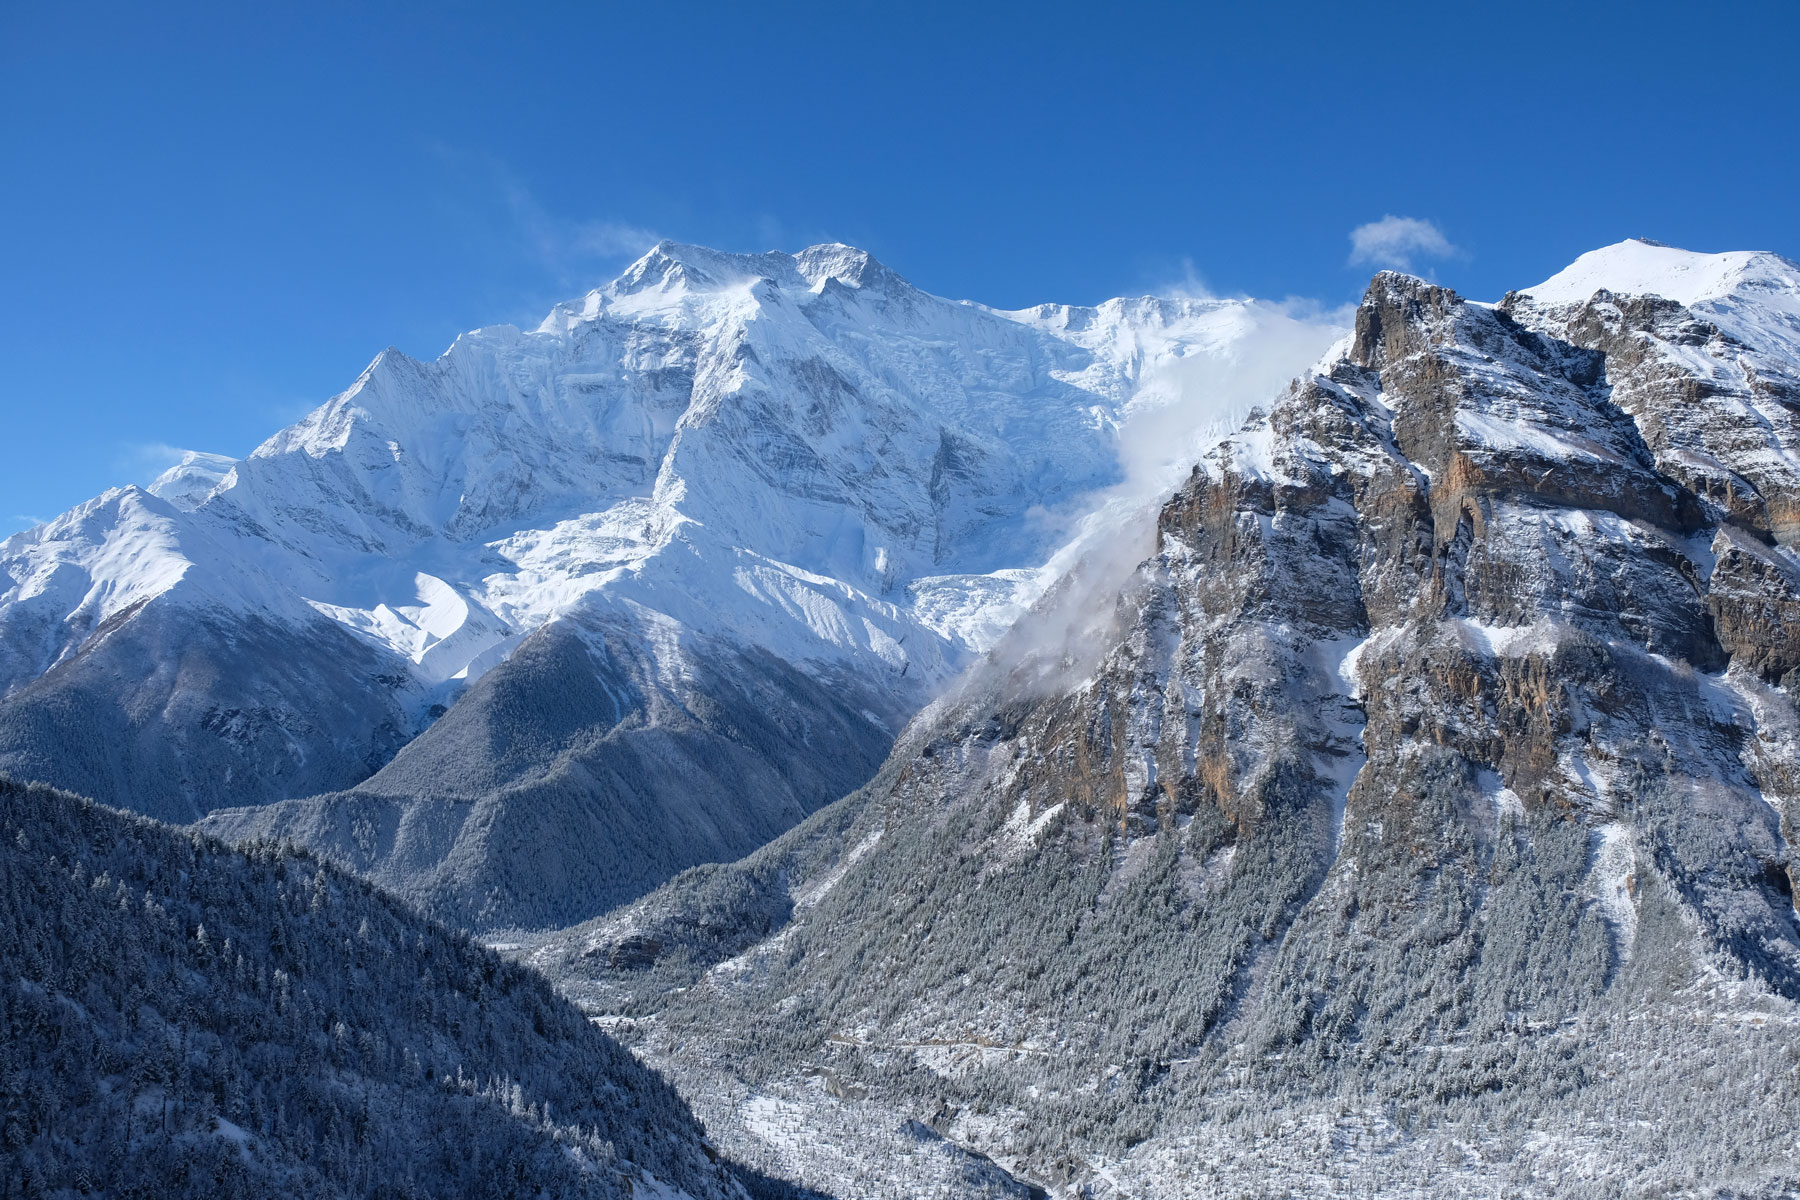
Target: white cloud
(1397, 241)
(610, 239)
(1187, 285)
(1186, 405)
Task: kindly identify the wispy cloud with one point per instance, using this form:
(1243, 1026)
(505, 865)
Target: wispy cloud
(560, 242)
(1398, 242)
(1188, 285)
(505, 212)
(1183, 406)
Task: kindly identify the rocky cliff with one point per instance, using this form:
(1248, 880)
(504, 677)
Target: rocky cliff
(1421, 824)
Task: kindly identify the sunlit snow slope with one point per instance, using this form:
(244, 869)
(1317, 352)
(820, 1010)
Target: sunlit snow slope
(801, 457)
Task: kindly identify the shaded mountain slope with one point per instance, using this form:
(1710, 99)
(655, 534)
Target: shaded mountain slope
(174, 715)
(572, 778)
(184, 1019)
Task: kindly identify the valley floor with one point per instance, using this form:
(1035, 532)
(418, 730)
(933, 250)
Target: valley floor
(1683, 1101)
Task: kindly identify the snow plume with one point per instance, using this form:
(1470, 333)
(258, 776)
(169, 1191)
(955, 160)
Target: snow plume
(555, 240)
(143, 462)
(502, 208)
(1183, 407)
(1190, 286)
(1397, 241)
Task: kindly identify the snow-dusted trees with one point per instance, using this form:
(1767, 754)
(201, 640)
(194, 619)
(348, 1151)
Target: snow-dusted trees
(178, 1018)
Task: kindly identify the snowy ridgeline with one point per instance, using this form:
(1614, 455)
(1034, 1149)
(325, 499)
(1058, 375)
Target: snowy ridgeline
(182, 1019)
(803, 454)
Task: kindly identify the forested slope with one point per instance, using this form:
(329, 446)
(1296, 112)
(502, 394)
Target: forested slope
(185, 1019)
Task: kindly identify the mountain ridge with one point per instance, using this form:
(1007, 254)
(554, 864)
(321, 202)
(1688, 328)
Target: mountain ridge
(799, 469)
(1423, 822)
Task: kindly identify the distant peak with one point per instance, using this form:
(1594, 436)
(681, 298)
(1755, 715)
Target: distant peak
(665, 265)
(846, 264)
(1643, 267)
(672, 267)
(189, 482)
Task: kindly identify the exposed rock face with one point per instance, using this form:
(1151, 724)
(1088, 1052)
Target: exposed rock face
(1453, 706)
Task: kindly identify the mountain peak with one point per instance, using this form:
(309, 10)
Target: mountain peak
(671, 265)
(1640, 266)
(846, 264)
(189, 482)
(674, 269)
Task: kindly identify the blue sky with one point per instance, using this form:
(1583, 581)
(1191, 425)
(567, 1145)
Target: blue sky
(214, 216)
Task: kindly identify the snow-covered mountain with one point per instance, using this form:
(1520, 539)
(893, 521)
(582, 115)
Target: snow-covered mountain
(733, 497)
(1423, 827)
